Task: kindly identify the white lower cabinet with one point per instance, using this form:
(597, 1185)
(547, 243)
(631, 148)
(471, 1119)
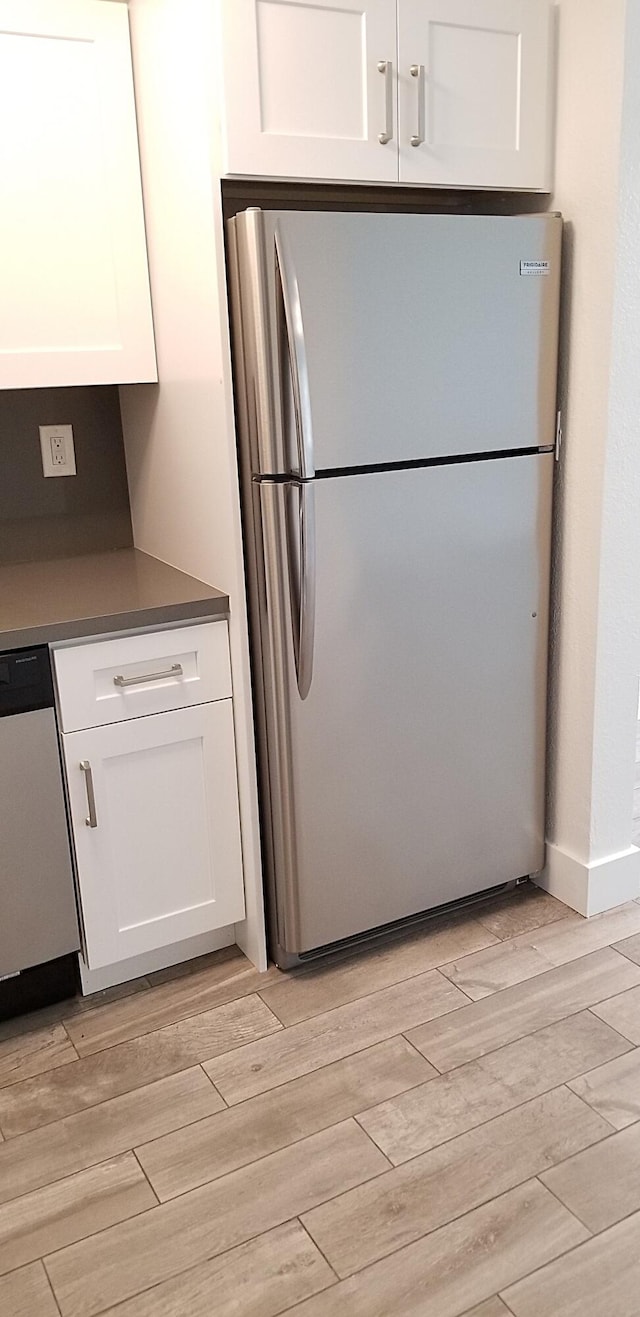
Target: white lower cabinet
(155, 821)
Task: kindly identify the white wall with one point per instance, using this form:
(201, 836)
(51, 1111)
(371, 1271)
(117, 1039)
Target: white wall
(596, 647)
(179, 436)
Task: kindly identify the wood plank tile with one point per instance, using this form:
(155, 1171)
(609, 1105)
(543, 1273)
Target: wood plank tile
(257, 1279)
(530, 954)
(27, 1293)
(223, 982)
(601, 1185)
(222, 1143)
(105, 996)
(622, 1012)
(599, 1279)
(397, 1208)
(335, 1034)
(33, 1053)
(630, 946)
(613, 1089)
(127, 1066)
(62, 1010)
(486, 1025)
(104, 1270)
(459, 1265)
(68, 1210)
(54, 1151)
(480, 1090)
(310, 991)
(521, 911)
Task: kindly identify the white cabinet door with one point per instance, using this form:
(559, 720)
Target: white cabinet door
(304, 94)
(474, 93)
(158, 852)
(73, 268)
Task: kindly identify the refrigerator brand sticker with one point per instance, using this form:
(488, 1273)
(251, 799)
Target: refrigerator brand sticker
(538, 268)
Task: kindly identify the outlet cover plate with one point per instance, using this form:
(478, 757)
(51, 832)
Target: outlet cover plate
(58, 452)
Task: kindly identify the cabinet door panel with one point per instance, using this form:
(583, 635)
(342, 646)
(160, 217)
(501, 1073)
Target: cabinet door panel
(303, 92)
(75, 293)
(481, 97)
(163, 862)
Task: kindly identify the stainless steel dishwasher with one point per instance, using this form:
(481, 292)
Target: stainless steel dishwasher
(38, 918)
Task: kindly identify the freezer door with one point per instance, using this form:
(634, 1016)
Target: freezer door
(409, 336)
(412, 773)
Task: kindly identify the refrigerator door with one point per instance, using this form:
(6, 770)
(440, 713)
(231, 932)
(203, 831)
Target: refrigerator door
(412, 773)
(383, 338)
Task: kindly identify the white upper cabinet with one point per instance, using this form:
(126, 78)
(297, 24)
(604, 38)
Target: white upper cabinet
(310, 88)
(474, 93)
(76, 306)
(450, 93)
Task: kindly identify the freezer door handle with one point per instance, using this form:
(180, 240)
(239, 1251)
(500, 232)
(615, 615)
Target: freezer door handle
(297, 354)
(303, 607)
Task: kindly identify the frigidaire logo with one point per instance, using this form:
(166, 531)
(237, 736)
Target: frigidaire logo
(535, 267)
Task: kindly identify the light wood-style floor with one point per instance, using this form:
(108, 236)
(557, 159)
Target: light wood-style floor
(446, 1125)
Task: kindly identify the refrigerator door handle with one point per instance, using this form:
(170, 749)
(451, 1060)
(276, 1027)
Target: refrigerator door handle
(304, 609)
(297, 354)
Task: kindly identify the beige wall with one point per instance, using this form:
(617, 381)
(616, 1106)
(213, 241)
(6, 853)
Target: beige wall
(594, 655)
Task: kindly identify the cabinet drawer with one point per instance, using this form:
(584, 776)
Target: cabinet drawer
(112, 680)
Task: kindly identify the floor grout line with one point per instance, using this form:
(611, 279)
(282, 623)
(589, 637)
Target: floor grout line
(318, 1247)
(558, 1199)
(216, 1090)
(633, 1047)
(146, 1177)
(53, 1293)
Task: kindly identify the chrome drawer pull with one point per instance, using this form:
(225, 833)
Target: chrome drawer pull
(92, 818)
(174, 671)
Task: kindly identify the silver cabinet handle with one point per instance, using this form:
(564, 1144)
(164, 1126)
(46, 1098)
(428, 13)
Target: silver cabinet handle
(174, 671)
(92, 818)
(417, 71)
(386, 67)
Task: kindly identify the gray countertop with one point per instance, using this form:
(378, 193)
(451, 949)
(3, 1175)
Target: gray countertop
(68, 598)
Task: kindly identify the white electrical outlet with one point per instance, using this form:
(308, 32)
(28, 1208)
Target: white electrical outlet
(58, 452)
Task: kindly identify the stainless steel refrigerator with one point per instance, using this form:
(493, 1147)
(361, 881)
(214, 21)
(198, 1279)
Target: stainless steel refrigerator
(396, 398)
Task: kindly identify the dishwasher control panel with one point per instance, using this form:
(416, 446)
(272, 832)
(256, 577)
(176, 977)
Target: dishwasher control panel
(25, 680)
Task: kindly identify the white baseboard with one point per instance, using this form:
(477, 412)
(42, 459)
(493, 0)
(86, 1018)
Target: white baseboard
(591, 888)
(94, 980)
